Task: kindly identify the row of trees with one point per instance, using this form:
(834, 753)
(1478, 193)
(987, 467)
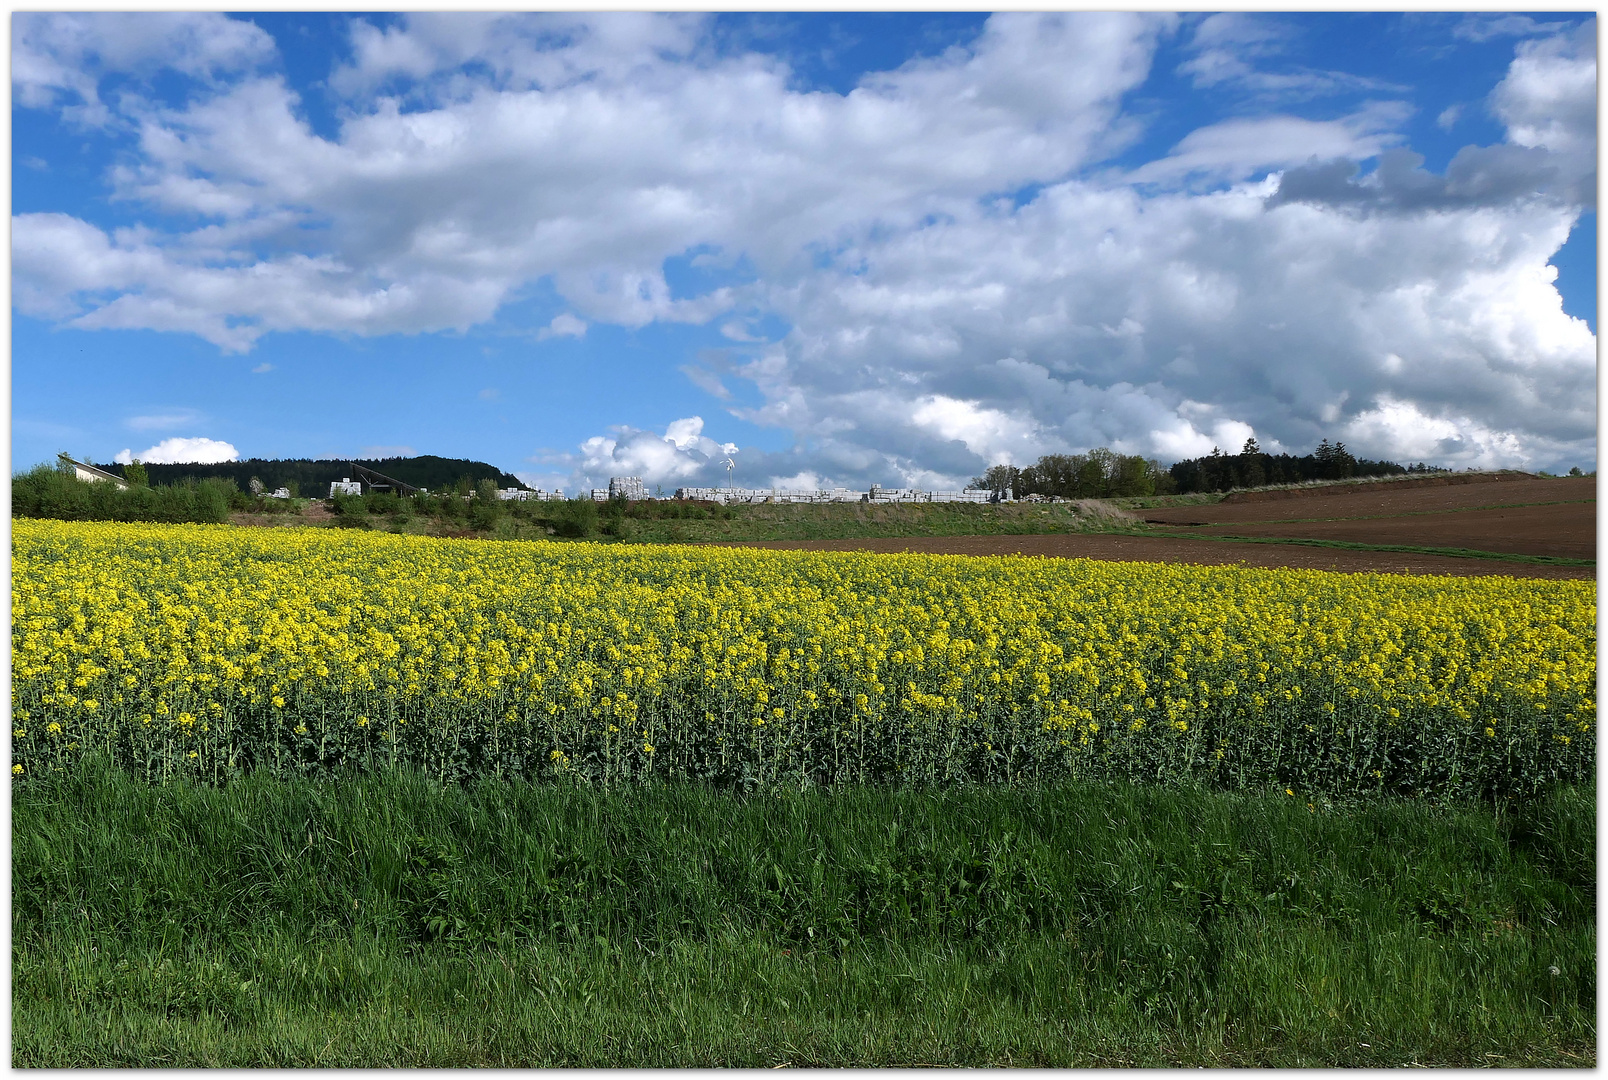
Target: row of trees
(1106, 474)
(1251, 467)
(1098, 474)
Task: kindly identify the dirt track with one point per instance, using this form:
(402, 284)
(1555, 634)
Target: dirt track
(1517, 516)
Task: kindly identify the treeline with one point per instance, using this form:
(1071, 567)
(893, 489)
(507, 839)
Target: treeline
(1098, 474)
(1106, 474)
(49, 492)
(1251, 467)
(311, 479)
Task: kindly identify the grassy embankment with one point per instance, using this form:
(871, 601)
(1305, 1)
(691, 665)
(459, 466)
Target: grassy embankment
(671, 523)
(387, 921)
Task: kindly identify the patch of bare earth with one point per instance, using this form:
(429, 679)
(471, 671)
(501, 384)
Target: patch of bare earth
(1170, 549)
(315, 513)
(1515, 515)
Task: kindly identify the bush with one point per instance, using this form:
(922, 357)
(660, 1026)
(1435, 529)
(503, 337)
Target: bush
(577, 518)
(487, 508)
(46, 492)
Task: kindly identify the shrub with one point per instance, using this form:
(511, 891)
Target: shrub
(577, 518)
(46, 492)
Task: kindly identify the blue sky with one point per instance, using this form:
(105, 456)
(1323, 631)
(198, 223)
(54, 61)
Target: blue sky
(858, 248)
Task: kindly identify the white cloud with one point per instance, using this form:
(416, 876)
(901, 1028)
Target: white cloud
(563, 325)
(60, 58)
(376, 453)
(1225, 46)
(992, 435)
(1549, 98)
(598, 157)
(490, 393)
(682, 455)
(1457, 441)
(180, 451)
(1238, 149)
(262, 368)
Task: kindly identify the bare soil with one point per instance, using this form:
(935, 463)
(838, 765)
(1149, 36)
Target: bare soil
(1520, 516)
(1406, 483)
(1169, 549)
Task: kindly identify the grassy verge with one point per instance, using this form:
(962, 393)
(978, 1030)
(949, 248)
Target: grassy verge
(852, 521)
(1351, 545)
(642, 523)
(386, 921)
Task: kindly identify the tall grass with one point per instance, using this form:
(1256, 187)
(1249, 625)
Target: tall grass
(388, 920)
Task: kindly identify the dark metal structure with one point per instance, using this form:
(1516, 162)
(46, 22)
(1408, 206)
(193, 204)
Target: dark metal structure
(380, 482)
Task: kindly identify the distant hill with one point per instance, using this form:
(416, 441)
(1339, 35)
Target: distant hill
(312, 478)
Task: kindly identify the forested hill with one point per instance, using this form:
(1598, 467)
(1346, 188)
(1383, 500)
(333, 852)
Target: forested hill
(312, 478)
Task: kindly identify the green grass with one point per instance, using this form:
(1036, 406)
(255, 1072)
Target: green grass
(387, 921)
(779, 521)
(852, 521)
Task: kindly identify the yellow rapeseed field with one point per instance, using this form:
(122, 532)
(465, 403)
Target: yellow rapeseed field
(201, 650)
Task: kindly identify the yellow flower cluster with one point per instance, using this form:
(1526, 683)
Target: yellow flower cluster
(204, 649)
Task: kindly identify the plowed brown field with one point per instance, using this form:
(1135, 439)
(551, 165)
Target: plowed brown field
(1520, 516)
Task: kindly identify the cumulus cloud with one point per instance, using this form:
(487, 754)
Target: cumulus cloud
(1548, 102)
(682, 455)
(59, 59)
(966, 277)
(598, 157)
(181, 451)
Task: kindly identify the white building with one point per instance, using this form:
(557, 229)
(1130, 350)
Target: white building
(280, 493)
(89, 472)
(345, 486)
(517, 494)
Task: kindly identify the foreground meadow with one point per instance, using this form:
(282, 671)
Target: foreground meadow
(300, 797)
